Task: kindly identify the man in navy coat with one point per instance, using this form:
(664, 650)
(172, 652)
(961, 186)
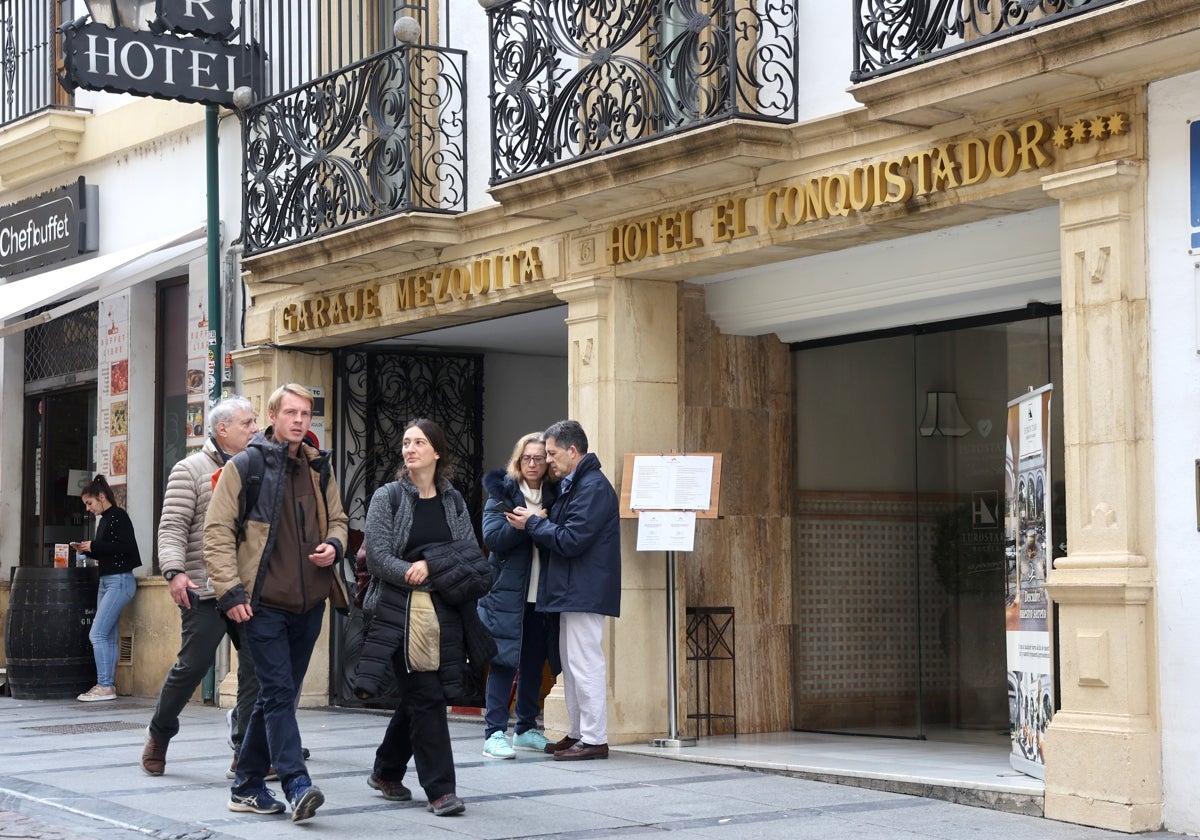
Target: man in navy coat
(581, 582)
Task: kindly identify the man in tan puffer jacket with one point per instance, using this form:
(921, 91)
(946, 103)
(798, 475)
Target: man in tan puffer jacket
(231, 424)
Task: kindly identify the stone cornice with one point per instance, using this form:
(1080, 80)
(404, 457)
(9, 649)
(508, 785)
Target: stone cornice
(1119, 46)
(40, 146)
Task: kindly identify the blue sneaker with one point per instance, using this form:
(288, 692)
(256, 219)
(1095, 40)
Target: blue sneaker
(530, 739)
(260, 801)
(305, 802)
(496, 746)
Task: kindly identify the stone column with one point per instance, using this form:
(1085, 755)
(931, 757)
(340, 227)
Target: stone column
(1103, 763)
(623, 388)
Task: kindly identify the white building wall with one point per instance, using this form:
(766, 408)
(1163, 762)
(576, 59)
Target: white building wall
(826, 37)
(469, 25)
(1175, 378)
(148, 191)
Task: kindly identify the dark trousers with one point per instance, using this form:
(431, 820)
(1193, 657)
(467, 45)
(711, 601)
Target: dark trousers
(528, 674)
(202, 629)
(281, 644)
(418, 729)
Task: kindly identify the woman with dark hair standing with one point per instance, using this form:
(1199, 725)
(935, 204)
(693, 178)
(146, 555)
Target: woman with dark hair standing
(522, 633)
(116, 552)
(423, 605)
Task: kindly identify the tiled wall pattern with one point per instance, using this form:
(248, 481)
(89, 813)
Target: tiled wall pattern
(871, 610)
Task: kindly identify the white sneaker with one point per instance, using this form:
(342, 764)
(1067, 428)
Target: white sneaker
(98, 692)
(496, 746)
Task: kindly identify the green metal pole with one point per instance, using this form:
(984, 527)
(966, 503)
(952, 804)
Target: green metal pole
(216, 361)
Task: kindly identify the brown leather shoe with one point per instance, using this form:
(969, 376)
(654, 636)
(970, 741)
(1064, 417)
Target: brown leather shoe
(580, 751)
(561, 744)
(154, 755)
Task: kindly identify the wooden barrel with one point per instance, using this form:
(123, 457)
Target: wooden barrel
(50, 613)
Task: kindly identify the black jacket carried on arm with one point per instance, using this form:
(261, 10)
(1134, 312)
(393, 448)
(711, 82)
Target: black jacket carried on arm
(458, 575)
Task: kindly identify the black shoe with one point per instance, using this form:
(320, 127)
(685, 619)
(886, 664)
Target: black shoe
(394, 791)
(446, 806)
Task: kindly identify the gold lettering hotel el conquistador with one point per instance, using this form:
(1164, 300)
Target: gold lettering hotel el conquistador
(947, 166)
(444, 284)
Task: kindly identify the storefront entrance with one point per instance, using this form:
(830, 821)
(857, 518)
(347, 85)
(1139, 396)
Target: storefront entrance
(899, 577)
(60, 428)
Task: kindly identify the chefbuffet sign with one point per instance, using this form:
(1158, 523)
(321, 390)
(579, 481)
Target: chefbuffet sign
(165, 61)
(51, 227)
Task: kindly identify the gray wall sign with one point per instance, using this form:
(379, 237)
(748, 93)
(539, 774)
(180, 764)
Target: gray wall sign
(52, 227)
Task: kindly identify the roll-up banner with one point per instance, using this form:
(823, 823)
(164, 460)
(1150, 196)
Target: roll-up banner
(1027, 507)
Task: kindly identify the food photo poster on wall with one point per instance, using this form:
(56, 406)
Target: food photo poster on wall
(199, 337)
(113, 438)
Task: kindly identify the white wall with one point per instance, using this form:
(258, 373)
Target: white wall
(1175, 379)
(826, 35)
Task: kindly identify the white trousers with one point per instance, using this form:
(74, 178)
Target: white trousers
(585, 677)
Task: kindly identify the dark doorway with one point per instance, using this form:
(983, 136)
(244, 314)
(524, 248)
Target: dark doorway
(59, 429)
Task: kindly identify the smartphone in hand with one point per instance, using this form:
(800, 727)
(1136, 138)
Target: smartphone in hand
(503, 506)
(193, 598)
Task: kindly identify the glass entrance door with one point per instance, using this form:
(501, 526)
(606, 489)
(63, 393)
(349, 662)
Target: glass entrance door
(899, 543)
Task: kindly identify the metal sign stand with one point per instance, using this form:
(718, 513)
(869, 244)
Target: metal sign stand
(672, 739)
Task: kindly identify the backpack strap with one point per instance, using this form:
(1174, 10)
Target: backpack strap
(251, 486)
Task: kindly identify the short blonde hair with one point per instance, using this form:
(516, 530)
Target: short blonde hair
(290, 388)
(514, 463)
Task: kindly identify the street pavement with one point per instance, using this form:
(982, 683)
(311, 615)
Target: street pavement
(70, 771)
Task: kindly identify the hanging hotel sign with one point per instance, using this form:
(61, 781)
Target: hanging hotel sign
(161, 58)
(204, 18)
(48, 228)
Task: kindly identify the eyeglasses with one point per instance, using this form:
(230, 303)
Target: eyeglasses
(533, 459)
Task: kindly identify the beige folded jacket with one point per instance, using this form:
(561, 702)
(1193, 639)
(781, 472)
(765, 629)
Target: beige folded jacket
(424, 633)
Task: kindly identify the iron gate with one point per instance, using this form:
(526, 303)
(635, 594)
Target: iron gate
(377, 392)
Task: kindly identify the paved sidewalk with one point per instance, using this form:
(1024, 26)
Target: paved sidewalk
(70, 771)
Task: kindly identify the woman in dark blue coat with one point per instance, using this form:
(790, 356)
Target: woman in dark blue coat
(520, 631)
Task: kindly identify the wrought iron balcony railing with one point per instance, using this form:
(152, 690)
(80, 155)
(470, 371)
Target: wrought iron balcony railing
(382, 136)
(27, 57)
(576, 78)
(891, 35)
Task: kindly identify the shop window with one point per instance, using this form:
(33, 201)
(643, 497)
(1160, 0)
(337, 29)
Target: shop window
(64, 348)
(900, 562)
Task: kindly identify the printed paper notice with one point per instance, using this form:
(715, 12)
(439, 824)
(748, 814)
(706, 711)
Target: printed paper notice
(666, 530)
(671, 482)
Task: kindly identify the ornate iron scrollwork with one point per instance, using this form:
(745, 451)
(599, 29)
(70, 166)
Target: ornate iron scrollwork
(575, 79)
(893, 34)
(379, 392)
(382, 136)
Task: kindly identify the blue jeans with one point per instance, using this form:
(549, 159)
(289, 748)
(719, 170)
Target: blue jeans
(281, 644)
(114, 593)
(528, 675)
